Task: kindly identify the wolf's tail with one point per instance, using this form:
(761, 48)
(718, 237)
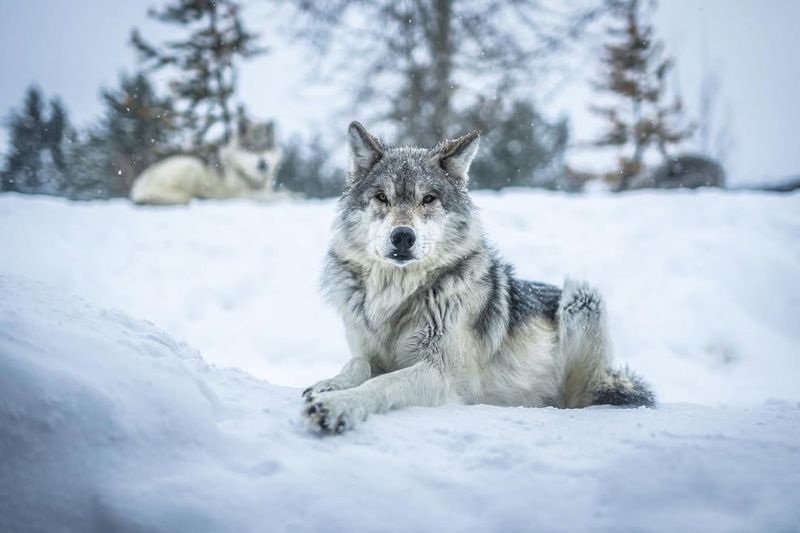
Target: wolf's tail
(623, 387)
(585, 374)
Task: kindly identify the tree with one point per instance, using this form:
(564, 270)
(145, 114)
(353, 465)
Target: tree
(204, 62)
(138, 128)
(306, 168)
(713, 135)
(635, 73)
(89, 172)
(518, 147)
(35, 160)
(423, 63)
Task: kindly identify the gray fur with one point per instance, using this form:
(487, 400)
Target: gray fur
(450, 322)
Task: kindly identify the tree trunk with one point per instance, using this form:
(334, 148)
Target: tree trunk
(441, 48)
(219, 77)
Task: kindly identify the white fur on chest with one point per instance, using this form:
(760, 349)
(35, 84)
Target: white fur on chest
(392, 315)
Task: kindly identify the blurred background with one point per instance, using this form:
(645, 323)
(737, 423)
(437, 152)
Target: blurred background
(569, 95)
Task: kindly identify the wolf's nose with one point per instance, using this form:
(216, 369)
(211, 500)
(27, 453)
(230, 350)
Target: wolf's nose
(403, 238)
(262, 165)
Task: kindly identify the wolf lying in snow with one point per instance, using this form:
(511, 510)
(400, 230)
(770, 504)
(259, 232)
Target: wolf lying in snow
(245, 167)
(434, 315)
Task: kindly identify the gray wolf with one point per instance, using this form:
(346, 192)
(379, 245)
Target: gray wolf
(434, 315)
(245, 167)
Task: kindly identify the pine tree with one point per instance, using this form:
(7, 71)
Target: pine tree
(306, 168)
(519, 148)
(635, 72)
(35, 160)
(138, 128)
(204, 63)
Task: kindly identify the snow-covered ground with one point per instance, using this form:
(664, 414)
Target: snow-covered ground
(108, 423)
(703, 288)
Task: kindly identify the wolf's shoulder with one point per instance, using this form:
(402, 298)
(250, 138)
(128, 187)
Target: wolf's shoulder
(532, 298)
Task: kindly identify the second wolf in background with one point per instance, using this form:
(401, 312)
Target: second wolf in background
(245, 167)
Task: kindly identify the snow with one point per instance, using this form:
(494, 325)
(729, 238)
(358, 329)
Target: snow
(702, 287)
(111, 423)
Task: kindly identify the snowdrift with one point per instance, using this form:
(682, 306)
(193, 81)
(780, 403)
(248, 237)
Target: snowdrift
(109, 424)
(703, 288)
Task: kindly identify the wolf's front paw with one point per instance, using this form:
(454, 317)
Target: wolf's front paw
(326, 385)
(333, 412)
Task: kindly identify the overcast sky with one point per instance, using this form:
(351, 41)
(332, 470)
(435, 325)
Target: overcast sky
(72, 48)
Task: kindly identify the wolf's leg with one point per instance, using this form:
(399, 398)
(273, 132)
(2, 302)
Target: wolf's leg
(584, 346)
(586, 375)
(421, 384)
(354, 373)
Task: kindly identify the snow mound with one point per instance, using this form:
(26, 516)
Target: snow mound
(702, 287)
(108, 424)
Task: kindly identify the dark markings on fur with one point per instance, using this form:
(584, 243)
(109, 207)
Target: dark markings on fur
(492, 310)
(410, 167)
(403, 315)
(437, 312)
(584, 301)
(624, 388)
(318, 410)
(404, 185)
(455, 200)
(531, 298)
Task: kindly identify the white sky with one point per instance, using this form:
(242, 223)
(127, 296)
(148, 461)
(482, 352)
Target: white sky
(73, 48)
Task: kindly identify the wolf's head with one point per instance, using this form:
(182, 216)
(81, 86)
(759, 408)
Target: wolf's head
(251, 154)
(403, 205)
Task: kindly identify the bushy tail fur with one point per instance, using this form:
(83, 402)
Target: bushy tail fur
(585, 373)
(623, 387)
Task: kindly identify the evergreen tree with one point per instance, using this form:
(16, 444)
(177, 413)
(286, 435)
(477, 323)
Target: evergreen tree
(135, 131)
(306, 168)
(635, 73)
(90, 174)
(35, 160)
(203, 62)
(138, 127)
(519, 148)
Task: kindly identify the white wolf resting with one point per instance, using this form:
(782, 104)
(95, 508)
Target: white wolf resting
(245, 167)
(434, 315)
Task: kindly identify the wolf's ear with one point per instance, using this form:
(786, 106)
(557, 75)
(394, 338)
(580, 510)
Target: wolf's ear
(365, 150)
(455, 156)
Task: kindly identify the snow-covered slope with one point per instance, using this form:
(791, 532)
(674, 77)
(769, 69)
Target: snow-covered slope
(703, 287)
(108, 424)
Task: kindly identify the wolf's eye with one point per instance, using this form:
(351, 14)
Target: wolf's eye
(428, 198)
(381, 197)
